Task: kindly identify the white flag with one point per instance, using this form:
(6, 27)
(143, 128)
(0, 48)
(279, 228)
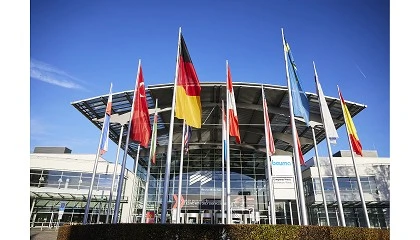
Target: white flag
(325, 112)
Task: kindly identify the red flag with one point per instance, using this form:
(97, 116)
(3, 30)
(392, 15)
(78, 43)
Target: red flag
(269, 134)
(302, 160)
(140, 121)
(188, 101)
(233, 115)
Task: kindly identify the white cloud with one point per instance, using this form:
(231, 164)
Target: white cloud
(49, 74)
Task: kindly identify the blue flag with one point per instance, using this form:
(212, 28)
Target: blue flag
(300, 101)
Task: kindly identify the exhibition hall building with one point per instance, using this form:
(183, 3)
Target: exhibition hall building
(60, 180)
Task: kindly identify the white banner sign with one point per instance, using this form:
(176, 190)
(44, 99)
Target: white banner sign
(283, 177)
(282, 166)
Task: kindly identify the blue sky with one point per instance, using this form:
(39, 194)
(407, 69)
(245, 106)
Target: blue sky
(77, 48)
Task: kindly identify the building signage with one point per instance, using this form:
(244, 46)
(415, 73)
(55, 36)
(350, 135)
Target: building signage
(211, 190)
(284, 182)
(283, 176)
(194, 202)
(282, 165)
(284, 188)
(201, 177)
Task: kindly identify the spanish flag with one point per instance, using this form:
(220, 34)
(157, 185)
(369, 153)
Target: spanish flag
(188, 102)
(351, 129)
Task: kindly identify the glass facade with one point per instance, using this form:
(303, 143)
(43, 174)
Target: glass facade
(201, 193)
(69, 187)
(202, 186)
(44, 178)
(353, 211)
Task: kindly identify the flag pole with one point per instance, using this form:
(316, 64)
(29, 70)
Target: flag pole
(336, 187)
(114, 173)
(268, 160)
(228, 207)
(127, 142)
(320, 177)
(171, 133)
(295, 169)
(146, 190)
(328, 128)
(223, 161)
(359, 184)
(295, 144)
(291, 212)
(130, 218)
(181, 165)
(95, 167)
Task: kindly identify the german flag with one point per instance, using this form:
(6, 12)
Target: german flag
(188, 102)
(351, 129)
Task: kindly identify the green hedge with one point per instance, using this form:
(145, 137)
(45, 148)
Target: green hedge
(131, 231)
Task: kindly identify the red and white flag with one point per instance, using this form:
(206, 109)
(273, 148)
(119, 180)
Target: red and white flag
(182, 201)
(231, 107)
(269, 141)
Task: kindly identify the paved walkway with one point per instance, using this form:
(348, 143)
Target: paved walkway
(45, 234)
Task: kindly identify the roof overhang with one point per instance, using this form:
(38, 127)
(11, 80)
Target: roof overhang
(249, 109)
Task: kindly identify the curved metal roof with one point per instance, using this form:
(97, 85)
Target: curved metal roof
(249, 109)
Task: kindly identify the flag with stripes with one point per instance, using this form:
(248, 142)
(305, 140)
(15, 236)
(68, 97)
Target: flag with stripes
(188, 90)
(302, 160)
(231, 108)
(187, 137)
(351, 129)
(154, 135)
(105, 128)
(269, 141)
